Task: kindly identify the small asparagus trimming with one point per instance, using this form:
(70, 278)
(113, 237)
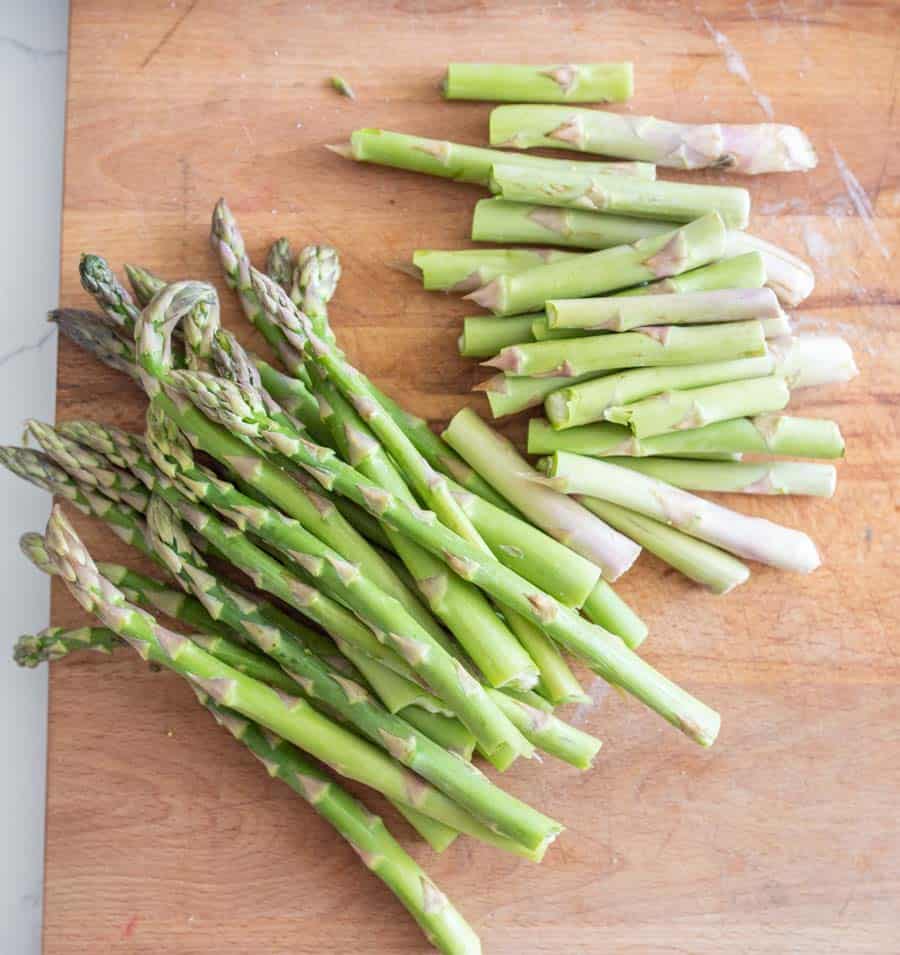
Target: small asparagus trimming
(548, 83)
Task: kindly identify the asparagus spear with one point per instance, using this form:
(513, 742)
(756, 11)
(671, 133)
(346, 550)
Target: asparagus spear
(288, 716)
(496, 459)
(365, 832)
(560, 83)
(743, 477)
(701, 562)
(682, 410)
(618, 314)
(686, 248)
(90, 332)
(242, 413)
(279, 263)
(437, 157)
(749, 537)
(347, 698)
(764, 147)
(619, 195)
(496, 220)
(485, 335)
(469, 269)
(608, 610)
(589, 400)
(98, 280)
(144, 284)
(777, 327)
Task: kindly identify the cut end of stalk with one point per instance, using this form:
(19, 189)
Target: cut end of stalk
(341, 149)
(489, 296)
(495, 385)
(510, 359)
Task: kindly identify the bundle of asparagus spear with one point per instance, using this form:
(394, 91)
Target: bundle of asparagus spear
(352, 595)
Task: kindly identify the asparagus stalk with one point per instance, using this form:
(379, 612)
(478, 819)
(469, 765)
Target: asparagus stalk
(497, 460)
(499, 220)
(701, 562)
(682, 410)
(437, 157)
(777, 327)
(347, 698)
(810, 360)
(751, 149)
(144, 284)
(555, 83)
(365, 832)
(280, 263)
(618, 314)
(243, 413)
(741, 477)
(619, 195)
(589, 400)
(686, 248)
(607, 609)
(725, 440)
(288, 716)
(655, 345)
(39, 469)
(335, 576)
(118, 306)
(485, 335)
(749, 537)
(469, 269)
(496, 220)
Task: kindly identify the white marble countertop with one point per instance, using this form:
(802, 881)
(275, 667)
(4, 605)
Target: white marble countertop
(33, 37)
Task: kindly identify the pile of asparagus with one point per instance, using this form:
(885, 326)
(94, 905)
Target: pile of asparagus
(660, 352)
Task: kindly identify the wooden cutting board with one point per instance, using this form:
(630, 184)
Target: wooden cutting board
(163, 836)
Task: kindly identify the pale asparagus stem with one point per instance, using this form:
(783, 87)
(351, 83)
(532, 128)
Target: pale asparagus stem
(777, 327)
(496, 220)
(701, 562)
(740, 477)
(549, 83)
(810, 360)
(39, 469)
(437, 157)
(339, 579)
(618, 195)
(92, 333)
(242, 413)
(345, 697)
(485, 335)
(497, 461)
(751, 149)
(588, 401)
(689, 247)
(749, 537)
(765, 434)
(622, 314)
(469, 269)
(683, 410)
(788, 276)
(651, 346)
(280, 262)
(286, 715)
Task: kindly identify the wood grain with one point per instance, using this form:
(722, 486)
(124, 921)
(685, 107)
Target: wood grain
(161, 834)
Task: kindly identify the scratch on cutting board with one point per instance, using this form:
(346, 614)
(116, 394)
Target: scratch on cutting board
(735, 64)
(130, 926)
(819, 248)
(860, 200)
(596, 691)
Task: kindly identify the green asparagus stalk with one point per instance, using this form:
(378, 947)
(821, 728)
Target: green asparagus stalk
(280, 263)
(619, 195)
(682, 410)
(657, 345)
(122, 448)
(508, 395)
(437, 157)
(741, 477)
(608, 610)
(469, 269)
(363, 522)
(764, 147)
(497, 460)
(54, 643)
(485, 335)
(346, 697)
(499, 220)
(701, 562)
(288, 716)
(589, 400)
(555, 83)
(241, 412)
(91, 333)
(39, 469)
(689, 247)
(618, 314)
(777, 327)
(749, 537)
(764, 434)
